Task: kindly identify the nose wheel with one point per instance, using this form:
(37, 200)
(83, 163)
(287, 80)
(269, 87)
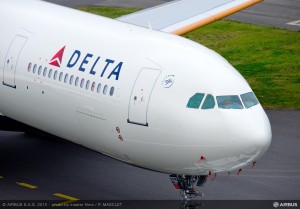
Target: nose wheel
(186, 185)
(190, 194)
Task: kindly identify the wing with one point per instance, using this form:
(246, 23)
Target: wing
(182, 16)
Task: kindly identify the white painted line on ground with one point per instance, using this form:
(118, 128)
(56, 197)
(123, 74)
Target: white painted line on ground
(296, 22)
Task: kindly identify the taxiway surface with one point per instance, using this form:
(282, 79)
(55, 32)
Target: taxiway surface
(278, 13)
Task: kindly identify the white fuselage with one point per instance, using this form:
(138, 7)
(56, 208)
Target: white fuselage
(142, 117)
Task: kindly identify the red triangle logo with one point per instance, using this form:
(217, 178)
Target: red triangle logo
(57, 58)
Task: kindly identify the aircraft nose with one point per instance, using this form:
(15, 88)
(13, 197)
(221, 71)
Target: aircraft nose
(260, 133)
(252, 134)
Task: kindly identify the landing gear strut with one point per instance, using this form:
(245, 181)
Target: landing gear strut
(186, 185)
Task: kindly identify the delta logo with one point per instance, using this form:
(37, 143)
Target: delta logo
(87, 62)
(57, 58)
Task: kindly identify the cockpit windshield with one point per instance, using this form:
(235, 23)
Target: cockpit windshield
(209, 102)
(195, 101)
(249, 99)
(246, 100)
(229, 102)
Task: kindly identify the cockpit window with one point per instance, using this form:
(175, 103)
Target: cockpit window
(249, 99)
(229, 102)
(195, 101)
(209, 102)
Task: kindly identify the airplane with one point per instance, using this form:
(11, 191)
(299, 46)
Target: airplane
(132, 88)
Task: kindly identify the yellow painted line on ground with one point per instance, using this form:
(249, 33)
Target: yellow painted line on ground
(68, 198)
(29, 186)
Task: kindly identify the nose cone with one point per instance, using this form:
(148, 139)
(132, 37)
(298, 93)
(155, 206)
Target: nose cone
(251, 133)
(259, 131)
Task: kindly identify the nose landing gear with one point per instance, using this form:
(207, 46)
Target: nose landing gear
(186, 185)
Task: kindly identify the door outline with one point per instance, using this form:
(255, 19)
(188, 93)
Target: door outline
(149, 98)
(16, 58)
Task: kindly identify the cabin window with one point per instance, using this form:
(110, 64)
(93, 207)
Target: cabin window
(77, 81)
(93, 86)
(111, 91)
(66, 78)
(209, 102)
(61, 76)
(45, 72)
(29, 67)
(87, 86)
(99, 88)
(195, 101)
(229, 102)
(82, 83)
(71, 79)
(34, 68)
(105, 89)
(40, 70)
(50, 73)
(55, 74)
(249, 99)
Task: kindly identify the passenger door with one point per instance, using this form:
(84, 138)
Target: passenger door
(141, 95)
(11, 60)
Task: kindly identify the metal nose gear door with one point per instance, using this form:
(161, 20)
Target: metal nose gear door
(11, 60)
(140, 96)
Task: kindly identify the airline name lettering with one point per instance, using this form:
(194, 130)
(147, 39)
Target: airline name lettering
(109, 68)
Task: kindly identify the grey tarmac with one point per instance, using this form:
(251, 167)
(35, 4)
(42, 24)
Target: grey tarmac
(277, 13)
